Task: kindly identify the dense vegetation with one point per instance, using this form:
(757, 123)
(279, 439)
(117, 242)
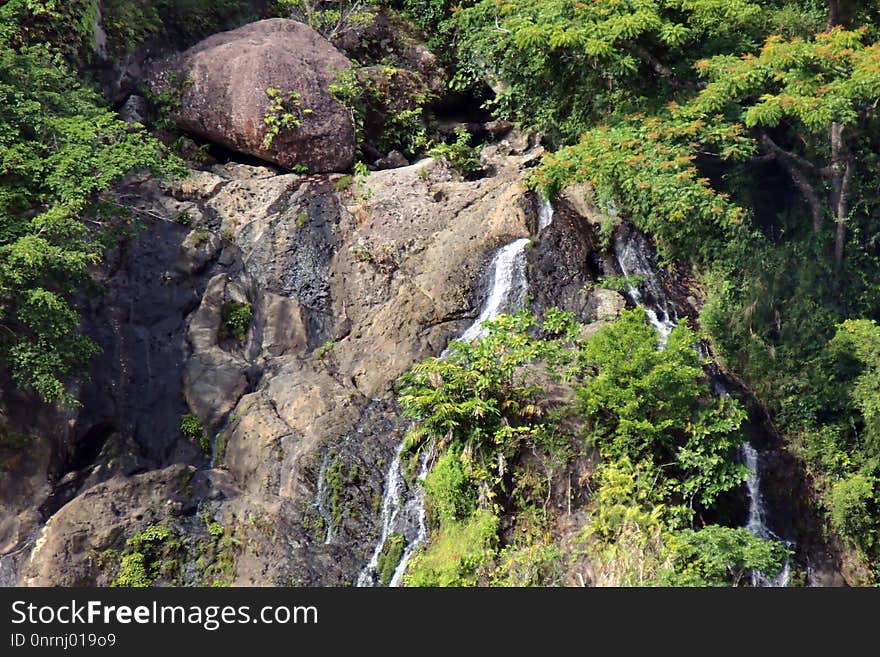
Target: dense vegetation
(507, 455)
(742, 136)
(61, 150)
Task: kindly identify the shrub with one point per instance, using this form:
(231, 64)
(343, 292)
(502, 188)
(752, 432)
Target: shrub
(851, 508)
(459, 154)
(450, 490)
(236, 319)
(152, 553)
(192, 427)
(460, 555)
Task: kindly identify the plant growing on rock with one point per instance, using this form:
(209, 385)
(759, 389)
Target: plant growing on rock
(235, 318)
(390, 557)
(285, 112)
(388, 108)
(150, 554)
(460, 155)
(192, 427)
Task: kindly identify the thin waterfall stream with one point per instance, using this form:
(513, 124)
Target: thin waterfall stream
(633, 254)
(403, 505)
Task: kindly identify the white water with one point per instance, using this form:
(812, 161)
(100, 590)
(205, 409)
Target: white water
(757, 522)
(631, 250)
(508, 287)
(545, 214)
(401, 503)
(396, 509)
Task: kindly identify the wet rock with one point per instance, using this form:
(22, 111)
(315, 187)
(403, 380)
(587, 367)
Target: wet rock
(565, 267)
(134, 110)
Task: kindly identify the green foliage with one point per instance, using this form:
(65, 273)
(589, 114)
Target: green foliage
(719, 556)
(344, 182)
(324, 350)
(191, 427)
(650, 404)
(235, 319)
(285, 112)
(331, 20)
(149, 555)
(450, 490)
(860, 340)
(61, 148)
(852, 510)
(336, 487)
(389, 558)
(668, 447)
(459, 154)
(477, 400)
(133, 572)
(459, 556)
(388, 107)
(648, 165)
(621, 283)
(217, 554)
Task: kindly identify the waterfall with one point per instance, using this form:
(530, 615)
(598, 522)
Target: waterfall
(508, 287)
(545, 214)
(757, 522)
(403, 506)
(632, 251)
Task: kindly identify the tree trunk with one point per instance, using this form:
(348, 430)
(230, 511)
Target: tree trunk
(842, 210)
(841, 180)
(833, 14)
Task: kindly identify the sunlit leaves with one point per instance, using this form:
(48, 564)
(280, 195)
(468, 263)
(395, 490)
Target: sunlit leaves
(60, 147)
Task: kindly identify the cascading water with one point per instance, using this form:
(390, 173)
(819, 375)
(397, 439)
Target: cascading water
(403, 506)
(631, 249)
(757, 522)
(508, 287)
(632, 253)
(545, 214)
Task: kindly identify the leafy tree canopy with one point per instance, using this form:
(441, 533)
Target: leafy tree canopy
(60, 148)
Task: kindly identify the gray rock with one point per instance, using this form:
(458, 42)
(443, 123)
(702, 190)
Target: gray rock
(393, 160)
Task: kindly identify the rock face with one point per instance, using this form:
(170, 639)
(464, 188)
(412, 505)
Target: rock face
(222, 85)
(350, 284)
(566, 263)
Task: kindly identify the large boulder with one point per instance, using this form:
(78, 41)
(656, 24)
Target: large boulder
(222, 85)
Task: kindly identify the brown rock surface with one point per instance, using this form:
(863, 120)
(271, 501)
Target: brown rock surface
(222, 84)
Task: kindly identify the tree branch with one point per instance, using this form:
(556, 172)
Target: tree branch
(661, 69)
(789, 155)
(790, 163)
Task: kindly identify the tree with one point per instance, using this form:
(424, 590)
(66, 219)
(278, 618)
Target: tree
(819, 94)
(719, 556)
(60, 149)
(654, 405)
